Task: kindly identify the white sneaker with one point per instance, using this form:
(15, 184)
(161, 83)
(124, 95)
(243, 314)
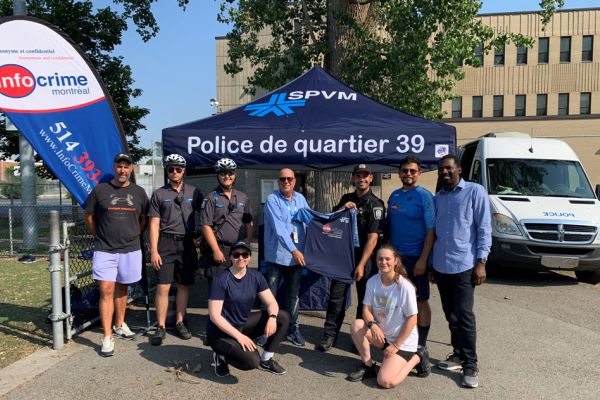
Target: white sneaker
(452, 363)
(108, 347)
(123, 331)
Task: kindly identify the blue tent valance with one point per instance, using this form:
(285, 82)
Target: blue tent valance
(313, 122)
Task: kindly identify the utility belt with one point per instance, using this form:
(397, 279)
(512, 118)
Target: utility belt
(187, 236)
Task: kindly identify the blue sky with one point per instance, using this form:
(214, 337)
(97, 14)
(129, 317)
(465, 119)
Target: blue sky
(176, 69)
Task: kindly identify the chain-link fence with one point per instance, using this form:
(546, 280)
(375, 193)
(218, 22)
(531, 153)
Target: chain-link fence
(25, 229)
(84, 296)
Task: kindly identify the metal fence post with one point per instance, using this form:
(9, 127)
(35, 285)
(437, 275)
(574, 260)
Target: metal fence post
(67, 280)
(54, 268)
(10, 230)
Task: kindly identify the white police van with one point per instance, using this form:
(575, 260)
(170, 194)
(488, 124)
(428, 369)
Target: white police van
(545, 214)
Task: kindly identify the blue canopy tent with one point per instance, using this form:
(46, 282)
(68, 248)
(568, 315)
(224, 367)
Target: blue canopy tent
(313, 122)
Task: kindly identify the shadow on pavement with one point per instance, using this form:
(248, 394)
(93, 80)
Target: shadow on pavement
(521, 277)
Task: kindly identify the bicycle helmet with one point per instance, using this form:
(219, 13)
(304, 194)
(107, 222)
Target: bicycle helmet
(225, 164)
(174, 159)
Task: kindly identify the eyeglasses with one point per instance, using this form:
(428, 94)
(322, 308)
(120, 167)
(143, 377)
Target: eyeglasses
(286, 179)
(238, 255)
(407, 170)
(174, 169)
(226, 174)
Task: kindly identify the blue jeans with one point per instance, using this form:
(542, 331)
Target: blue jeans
(292, 276)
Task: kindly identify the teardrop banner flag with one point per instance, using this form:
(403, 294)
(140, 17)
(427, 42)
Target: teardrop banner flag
(55, 97)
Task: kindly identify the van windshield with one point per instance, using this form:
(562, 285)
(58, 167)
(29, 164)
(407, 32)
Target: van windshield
(552, 178)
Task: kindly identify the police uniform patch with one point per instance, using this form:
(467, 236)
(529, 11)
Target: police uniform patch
(378, 213)
(204, 203)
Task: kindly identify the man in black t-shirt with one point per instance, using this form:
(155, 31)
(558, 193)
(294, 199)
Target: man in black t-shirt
(115, 213)
(370, 216)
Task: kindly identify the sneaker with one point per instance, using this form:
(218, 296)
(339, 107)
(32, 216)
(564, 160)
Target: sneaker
(261, 340)
(182, 331)
(470, 378)
(326, 344)
(123, 331)
(159, 336)
(221, 366)
(272, 366)
(362, 372)
(453, 362)
(296, 338)
(423, 367)
(108, 347)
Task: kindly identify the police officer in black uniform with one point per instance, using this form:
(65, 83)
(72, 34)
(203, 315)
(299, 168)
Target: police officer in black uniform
(225, 218)
(172, 214)
(370, 216)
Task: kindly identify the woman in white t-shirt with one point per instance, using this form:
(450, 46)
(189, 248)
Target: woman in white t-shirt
(390, 323)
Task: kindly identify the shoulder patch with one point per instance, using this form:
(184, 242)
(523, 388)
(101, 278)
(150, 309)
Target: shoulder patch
(378, 212)
(204, 203)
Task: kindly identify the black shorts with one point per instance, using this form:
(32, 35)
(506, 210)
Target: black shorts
(421, 282)
(179, 260)
(407, 355)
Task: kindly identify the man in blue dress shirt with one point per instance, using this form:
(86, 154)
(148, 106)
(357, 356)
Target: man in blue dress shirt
(463, 230)
(284, 245)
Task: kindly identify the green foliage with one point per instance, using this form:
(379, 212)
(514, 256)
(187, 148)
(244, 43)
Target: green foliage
(402, 53)
(11, 188)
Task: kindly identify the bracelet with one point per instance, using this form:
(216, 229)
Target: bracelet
(394, 344)
(273, 316)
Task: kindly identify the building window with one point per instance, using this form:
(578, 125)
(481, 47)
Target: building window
(479, 53)
(563, 104)
(521, 55)
(499, 55)
(585, 103)
(542, 105)
(457, 107)
(565, 49)
(520, 105)
(477, 107)
(587, 48)
(498, 106)
(543, 50)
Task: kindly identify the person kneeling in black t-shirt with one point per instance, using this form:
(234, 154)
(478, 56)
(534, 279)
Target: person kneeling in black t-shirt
(233, 326)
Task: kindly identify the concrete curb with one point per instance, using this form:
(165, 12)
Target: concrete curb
(24, 370)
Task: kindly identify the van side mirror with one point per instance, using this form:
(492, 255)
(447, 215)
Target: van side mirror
(598, 191)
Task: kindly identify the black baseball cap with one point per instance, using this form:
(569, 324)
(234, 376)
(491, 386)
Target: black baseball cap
(361, 168)
(123, 157)
(240, 245)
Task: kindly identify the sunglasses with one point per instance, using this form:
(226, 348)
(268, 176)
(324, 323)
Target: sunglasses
(407, 170)
(174, 169)
(226, 174)
(238, 255)
(286, 179)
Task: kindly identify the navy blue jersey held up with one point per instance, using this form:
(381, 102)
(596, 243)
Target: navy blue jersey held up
(330, 242)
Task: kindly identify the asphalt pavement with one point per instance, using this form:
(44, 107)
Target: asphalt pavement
(538, 338)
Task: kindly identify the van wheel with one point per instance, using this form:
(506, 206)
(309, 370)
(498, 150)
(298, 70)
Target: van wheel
(592, 277)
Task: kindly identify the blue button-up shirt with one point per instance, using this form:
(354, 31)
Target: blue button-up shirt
(279, 225)
(463, 228)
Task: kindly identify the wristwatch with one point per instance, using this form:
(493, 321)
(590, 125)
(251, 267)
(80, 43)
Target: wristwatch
(482, 260)
(370, 324)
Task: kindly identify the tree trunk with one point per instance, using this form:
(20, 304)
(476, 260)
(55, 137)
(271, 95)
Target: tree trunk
(330, 186)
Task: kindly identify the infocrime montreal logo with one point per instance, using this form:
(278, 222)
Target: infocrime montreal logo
(17, 81)
(282, 104)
